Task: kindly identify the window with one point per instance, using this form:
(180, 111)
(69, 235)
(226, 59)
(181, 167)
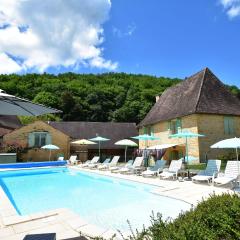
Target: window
(229, 125)
(174, 126)
(149, 130)
(39, 139)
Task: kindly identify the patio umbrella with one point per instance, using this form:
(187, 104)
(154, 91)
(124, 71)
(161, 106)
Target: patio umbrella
(83, 142)
(145, 137)
(50, 147)
(11, 105)
(99, 139)
(186, 135)
(126, 143)
(231, 143)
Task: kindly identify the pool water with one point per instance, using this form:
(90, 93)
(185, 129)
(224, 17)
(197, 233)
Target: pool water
(104, 201)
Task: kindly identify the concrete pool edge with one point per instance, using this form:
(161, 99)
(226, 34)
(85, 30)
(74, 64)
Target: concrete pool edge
(67, 223)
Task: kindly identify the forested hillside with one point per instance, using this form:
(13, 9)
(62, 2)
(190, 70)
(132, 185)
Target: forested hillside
(87, 97)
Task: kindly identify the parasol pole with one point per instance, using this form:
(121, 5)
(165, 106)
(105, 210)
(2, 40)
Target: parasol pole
(238, 162)
(126, 153)
(99, 149)
(49, 155)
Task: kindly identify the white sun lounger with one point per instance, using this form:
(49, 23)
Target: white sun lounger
(155, 170)
(213, 167)
(73, 160)
(89, 162)
(110, 165)
(117, 168)
(172, 171)
(94, 163)
(230, 175)
(105, 163)
(131, 169)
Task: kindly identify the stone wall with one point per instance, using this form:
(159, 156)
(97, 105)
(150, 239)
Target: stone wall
(161, 130)
(37, 154)
(212, 126)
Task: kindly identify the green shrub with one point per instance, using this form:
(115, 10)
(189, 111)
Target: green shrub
(217, 218)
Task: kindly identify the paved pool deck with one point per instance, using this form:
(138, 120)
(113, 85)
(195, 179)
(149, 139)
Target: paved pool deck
(67, 224)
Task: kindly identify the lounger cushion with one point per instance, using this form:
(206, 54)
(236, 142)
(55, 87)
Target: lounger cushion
(223, 180)
(167, 174)
(201, 178)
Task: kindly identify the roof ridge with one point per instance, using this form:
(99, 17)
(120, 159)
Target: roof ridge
(201, 87)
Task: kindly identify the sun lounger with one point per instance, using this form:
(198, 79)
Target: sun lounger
(89, 162)
(73, 160)
(105, 163)
(212, 169)
(230, 175)
(155, 170)
(94, 163)
(118, 168)
(132, 169)
(60, 159)
(172, 171)
(112, 164)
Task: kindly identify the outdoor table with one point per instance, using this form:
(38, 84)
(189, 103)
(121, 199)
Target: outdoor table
(185, 172)
(138, 171)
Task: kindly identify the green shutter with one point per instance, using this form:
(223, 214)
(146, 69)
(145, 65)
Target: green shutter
(31, 139)
(48, 139)
(231, 125)
(152, 131)
(145, 130)
(169, 126)
(179, 124)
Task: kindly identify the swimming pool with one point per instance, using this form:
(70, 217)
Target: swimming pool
(103, 201)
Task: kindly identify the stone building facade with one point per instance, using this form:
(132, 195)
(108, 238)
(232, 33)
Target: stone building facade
(200, 104)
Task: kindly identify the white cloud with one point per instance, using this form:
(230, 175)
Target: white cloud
(131, 28)
(8, 65)
(57, 33)
(232, 7)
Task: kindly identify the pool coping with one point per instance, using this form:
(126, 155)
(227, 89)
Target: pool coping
(75, 225)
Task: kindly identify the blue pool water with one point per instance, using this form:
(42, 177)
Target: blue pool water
(104, 201)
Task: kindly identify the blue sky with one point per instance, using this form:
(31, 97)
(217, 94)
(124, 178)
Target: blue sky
(169, 38)
(174, 38)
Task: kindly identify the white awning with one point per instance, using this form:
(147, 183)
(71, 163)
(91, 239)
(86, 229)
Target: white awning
(162, 146)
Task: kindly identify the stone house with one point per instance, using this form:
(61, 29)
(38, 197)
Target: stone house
(200, 104)
(40, 133)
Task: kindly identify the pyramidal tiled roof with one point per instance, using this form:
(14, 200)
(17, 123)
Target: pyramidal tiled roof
(203, 92)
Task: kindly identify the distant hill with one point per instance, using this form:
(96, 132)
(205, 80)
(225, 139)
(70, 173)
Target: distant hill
(116, 97)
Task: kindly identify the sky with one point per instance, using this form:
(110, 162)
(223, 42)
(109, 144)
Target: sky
(168, 38)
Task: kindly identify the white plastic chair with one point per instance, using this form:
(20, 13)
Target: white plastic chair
(156, 169)
(212, 169)
(230, 175)
(172, 171)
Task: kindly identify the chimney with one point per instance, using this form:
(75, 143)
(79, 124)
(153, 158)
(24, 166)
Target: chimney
(157, 98)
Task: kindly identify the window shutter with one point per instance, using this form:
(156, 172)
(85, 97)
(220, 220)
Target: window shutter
(48, 139)
(179, 125)
(152, 131)
(31, 139)
(145, 130)
(169, 126)
(231, 126)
